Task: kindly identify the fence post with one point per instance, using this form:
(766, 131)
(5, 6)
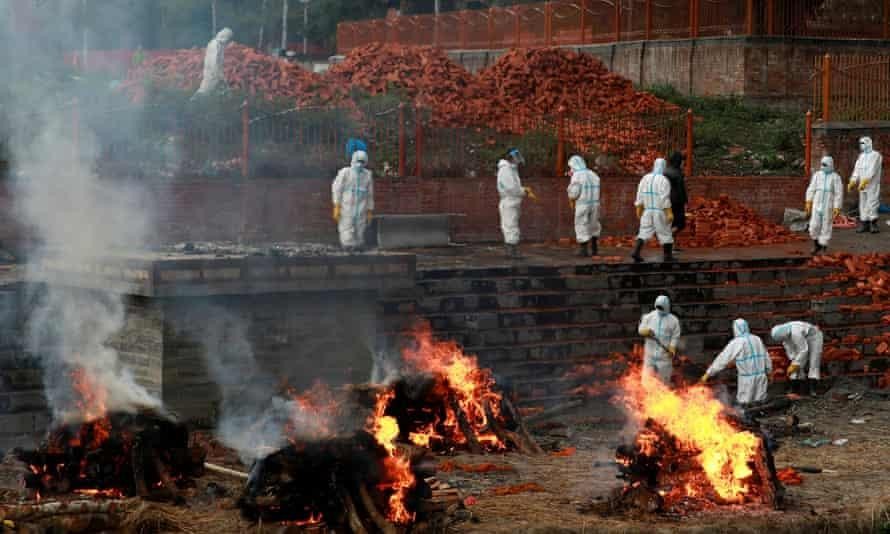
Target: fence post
(770, 17)
(560, 143)
(245, 138)
(648, 20)
(693, 18)
(418, 143)
(617, 21)
(491, 28)
(826, 87)
(749, 18)
(690, 142)
(583, 19)
(548, 19)
(808, 145)
(402, 141)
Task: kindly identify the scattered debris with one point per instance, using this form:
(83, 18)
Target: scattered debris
(518, 488)
(789, 476)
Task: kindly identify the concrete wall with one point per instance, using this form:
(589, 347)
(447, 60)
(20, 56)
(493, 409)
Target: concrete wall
(772, 69)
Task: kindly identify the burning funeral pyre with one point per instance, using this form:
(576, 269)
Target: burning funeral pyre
(690, 453)
(112, 454)
(381, 475)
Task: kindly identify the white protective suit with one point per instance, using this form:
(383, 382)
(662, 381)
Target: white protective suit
(803, 346)
(511, 192)
(214, 58)
(584, 189)
(654, 196)
(665, 327)
(868, 170)
(752, 363)
(353, 191)
(826, 193)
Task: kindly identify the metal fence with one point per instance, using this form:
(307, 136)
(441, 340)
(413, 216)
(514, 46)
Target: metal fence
(852, 87)
(403, 141)
(577, 22)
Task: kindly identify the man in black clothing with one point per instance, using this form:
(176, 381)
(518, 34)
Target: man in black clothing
(674, 174)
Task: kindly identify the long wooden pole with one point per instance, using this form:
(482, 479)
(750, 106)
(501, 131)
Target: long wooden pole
(690, 142)
(826, 87)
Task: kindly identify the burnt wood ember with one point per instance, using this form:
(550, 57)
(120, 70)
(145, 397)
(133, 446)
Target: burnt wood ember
(664, 476)
(120, 455)
(334, 481)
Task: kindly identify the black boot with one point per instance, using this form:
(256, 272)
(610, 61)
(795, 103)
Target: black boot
(509, 250)
(594, 251)
(668, 253)
(816, 248)
(636, 253)
(812, 387)
(515, 254)
(582, 250)
(863, 227)
(873, 227)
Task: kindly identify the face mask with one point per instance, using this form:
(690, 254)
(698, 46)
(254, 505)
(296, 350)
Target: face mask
(661, 312)
(358, 165)
(826, 168)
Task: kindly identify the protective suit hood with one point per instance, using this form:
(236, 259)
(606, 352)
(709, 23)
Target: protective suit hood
(779, 332)
(827, 164)
(865, 145)
(359, 158)
(224, 35)
(659, 166)
(663, 304)
(740, 328)
(504, 163)
(577, 163)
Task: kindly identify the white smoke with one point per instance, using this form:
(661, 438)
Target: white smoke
(73, 217)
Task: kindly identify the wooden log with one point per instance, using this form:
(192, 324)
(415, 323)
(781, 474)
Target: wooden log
(352, 517)
(530, 442)
(225, 471)
(465, 428)
(21, 512)
(383, 525)
(504, 435)
(552, 412)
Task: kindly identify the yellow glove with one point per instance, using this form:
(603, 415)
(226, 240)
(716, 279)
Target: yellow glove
(645, 332)
(571, 204)
(850, 186)
(809, 208)
(703, 379)
(673, 350)
(670, 214)
(793, 368)
(836, 212)
(370, 215)
(530, 193)
(862, 185)
(639, 212)
(336, 214)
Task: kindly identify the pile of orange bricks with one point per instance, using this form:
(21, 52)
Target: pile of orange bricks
(721, 223)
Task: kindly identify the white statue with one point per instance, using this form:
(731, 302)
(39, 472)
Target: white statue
(214, 77)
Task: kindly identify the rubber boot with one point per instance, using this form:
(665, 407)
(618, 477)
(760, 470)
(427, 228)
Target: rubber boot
(863, 227)
(514, 252)
(812, 387)
(636, 253)
(594, 251)
(816, 248)
(873, 227)
(508, 250)
(582, 250)
(668, 253)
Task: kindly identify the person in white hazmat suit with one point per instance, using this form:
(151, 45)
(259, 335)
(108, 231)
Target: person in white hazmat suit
(752, 363)
(803, 346)
(653, 204)
(353, 199)
(214, 78)
(511, 193)
(584, 197)
(824, 199)
(661, 330)
(867, 177)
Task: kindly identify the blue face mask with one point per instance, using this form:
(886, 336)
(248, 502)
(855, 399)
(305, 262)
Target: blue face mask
(661, 312)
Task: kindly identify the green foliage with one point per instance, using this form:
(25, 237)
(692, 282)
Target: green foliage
(735, 137)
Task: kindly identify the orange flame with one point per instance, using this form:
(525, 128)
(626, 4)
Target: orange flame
(695, 418)
(385, 430)
(313, 413)
(91, 402)
(473, 386)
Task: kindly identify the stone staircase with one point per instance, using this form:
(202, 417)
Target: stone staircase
(531, 324)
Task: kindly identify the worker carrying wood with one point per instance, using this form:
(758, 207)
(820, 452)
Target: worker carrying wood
(511, 193)
(661, 330)
(653, 205)
(752, 362)
(824, 199)
(867, 177)
(353, 199)
(803, 347)
(584, 199)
